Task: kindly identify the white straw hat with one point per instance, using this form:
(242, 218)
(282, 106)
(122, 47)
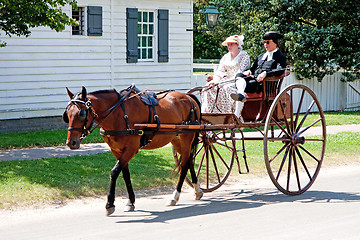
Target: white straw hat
(238, 39)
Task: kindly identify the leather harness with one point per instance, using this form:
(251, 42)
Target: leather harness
(146, 134)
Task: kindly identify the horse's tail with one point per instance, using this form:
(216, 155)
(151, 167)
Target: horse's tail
(196, 137)
(194, 143)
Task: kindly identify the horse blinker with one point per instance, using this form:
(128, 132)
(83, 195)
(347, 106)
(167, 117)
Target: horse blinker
(82, 115)
(65, 117)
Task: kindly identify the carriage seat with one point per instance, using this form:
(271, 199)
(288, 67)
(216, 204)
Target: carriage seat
(271, 87)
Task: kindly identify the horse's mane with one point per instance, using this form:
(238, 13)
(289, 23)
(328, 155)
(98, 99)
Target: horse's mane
(102, 91)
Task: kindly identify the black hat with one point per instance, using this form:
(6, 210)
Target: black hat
(273, 36)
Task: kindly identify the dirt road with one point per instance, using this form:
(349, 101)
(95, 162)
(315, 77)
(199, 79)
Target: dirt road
(249, 209)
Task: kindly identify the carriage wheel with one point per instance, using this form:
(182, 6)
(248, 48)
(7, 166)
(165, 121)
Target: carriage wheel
(295, 151)
(214, 159)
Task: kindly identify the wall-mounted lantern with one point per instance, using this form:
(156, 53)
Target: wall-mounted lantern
(211, 17)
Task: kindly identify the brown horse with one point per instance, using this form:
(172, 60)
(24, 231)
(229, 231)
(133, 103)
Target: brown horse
(116, 113)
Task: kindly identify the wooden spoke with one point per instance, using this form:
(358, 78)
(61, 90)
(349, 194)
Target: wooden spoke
(299, 107)
(282, 163)
(285, 119)
(292, 125)
(296, 170)
(305, 129)
(305, 116)
(201, 162)
(282, 129)
(212, 160)
(221, 158)
(309, 154)
(303, 162)
(278, 153)
(289, 171)
(207, 167)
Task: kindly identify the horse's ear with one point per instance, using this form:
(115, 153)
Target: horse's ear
(71, 95)
(83, 93)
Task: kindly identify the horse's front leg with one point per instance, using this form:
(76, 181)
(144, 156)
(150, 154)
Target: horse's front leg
(110, 207)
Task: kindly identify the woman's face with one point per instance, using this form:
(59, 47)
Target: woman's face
(232, 47)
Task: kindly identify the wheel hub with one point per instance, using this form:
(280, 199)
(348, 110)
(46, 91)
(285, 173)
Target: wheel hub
(296, 140)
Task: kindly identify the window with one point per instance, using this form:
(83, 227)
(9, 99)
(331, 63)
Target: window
(93, 21)
(141, 38)
(79, 15)
(145, 35)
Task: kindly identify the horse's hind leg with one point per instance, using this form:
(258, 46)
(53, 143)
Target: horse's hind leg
(130, 205)
(183, 171)
(197, 191)
(110, 207)
(176, 194)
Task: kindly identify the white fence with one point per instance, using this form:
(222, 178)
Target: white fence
(333, 94)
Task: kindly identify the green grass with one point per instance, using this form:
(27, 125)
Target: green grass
(57, 179)
(338, 118)
(47, 138)
(43, 138)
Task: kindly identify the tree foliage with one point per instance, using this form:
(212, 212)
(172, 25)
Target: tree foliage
(321, 36)
(18, 16)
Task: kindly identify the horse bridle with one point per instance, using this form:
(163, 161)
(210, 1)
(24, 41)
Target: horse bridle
(82, 115)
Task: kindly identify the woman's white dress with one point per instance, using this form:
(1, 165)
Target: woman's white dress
(228, 68)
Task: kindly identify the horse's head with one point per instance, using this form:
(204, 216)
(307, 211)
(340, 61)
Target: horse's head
(79, 115)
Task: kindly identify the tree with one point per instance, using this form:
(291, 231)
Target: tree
(321, 36)
(18, 16)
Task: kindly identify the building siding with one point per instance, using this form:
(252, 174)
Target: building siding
(34, 71)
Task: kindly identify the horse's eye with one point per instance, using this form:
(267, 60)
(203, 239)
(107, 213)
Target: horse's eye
(82, 115)
(65, 117)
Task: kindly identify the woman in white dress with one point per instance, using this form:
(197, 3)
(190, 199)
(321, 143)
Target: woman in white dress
(217, 99)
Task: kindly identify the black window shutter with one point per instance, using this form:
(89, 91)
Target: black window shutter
(94, 17)
(163, 35)
(131, 35)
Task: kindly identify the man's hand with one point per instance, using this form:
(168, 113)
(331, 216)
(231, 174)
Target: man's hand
(261, 76)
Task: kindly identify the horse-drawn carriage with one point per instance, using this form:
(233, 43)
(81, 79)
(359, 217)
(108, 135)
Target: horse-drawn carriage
(293, 139)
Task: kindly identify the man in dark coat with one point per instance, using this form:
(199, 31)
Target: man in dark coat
(250, 81)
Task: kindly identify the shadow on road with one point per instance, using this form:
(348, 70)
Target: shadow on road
(230, 201)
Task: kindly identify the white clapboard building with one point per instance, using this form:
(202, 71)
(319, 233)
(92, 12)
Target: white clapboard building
(117, 43)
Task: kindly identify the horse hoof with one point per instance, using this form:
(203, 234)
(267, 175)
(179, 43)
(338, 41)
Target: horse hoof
(110, 211)
(199, 195)
(129, 208)
(174, 198)
(172, 202)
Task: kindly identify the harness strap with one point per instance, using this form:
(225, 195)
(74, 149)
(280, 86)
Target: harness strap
(149, 134)
(121, 132)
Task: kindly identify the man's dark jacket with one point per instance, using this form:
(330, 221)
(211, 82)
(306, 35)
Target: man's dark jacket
(278, 62)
